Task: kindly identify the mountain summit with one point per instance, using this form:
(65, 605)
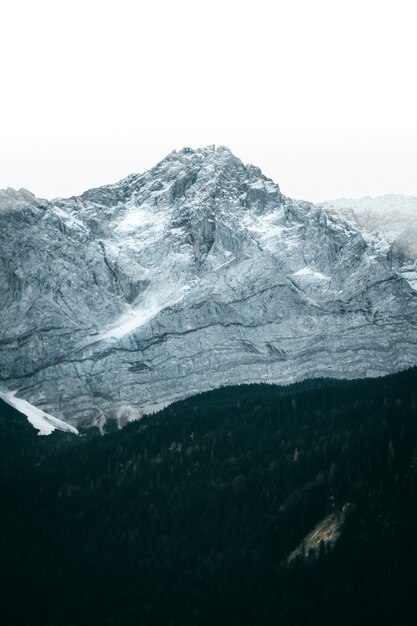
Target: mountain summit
(196, 274)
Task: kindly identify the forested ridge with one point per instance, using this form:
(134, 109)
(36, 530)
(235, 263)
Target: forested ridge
(188, 517)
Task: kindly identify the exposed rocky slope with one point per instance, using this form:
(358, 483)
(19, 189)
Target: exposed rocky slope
(389, 224)
(195, 274)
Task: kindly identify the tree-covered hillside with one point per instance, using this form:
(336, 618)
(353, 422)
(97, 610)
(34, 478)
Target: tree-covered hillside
(188, 518)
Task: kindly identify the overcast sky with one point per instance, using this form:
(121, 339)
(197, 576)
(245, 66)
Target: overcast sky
(321, 94)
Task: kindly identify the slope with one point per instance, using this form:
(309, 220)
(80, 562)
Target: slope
(189, 516)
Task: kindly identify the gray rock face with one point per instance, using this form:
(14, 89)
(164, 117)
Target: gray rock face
(389, 225)
(196, 274)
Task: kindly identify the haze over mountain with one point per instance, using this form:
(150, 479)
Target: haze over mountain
(196, 274)
(390, 221)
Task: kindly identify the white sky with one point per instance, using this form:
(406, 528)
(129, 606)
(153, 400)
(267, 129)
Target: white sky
(321, 94)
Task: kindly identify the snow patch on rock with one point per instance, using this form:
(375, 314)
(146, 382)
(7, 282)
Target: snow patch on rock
(43, 422)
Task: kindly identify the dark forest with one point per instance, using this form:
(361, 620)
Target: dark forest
(189, 517)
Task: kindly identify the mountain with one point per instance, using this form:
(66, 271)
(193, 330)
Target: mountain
(245, 505)
(196, 274)
(389, 224)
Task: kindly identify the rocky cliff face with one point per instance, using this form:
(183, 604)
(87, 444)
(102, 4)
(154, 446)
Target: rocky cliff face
(196, 274)
(389, 225)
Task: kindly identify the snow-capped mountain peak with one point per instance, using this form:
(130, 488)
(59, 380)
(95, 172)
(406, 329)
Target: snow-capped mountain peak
(195, 274)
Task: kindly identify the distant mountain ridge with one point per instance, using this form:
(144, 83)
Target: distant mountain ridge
(390, 223)
(196, 274)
